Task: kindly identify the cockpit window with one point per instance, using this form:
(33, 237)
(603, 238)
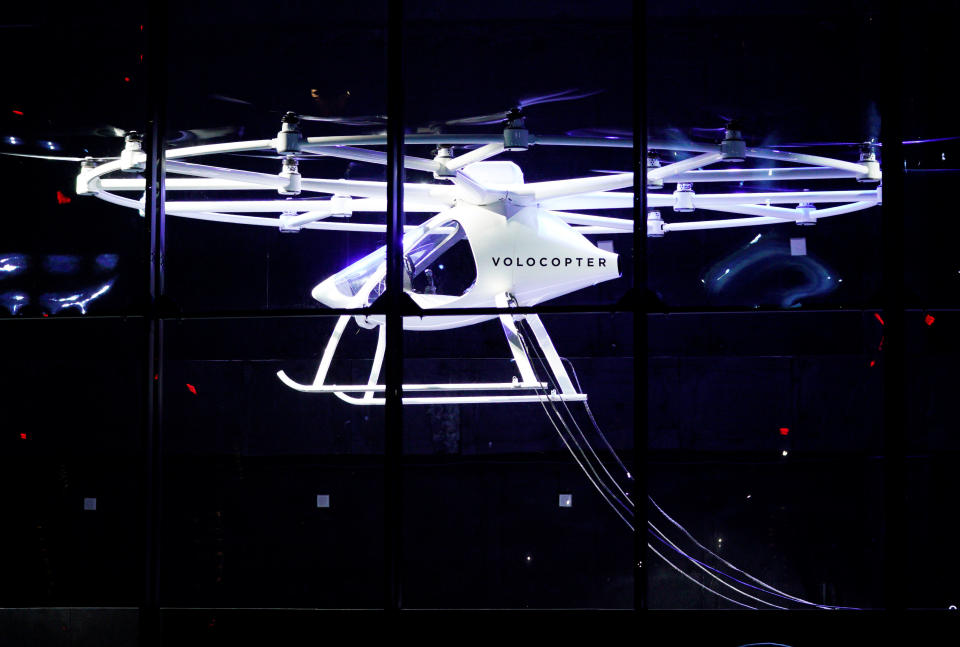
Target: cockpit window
(442, 262)
(437, 260)
(350, 280)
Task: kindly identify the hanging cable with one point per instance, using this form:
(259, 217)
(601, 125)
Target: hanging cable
(600, 487)
(586, 441)
(725, 562)
(694, 580)
(663, 538)
(586, 405)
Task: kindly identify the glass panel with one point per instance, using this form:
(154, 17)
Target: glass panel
(63, 252)
(763, 532)
(931, 153)
(526, 142)
(278, 204)
(771, 200)
(932, 571)
(513, 497)
(764, 434)
(273, 497)
(71, 462)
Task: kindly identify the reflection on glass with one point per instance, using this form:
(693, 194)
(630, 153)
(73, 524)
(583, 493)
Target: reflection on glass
(56, 302)
(14, 301)
(11, 264)
(767, 271)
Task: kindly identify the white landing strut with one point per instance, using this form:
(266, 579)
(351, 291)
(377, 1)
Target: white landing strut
(363, 394)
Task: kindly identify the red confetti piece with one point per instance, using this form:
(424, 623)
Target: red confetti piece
(63, 198)
(879, 318)
(784, 431)
(929, 319)
(192, 389)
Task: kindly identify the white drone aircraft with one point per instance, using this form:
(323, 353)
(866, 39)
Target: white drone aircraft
(527, 243)
(527, 240)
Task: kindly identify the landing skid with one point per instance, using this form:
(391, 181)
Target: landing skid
(364, 394)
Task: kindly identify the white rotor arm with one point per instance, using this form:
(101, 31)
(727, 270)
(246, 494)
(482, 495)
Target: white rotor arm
(227, 147)
(286, 206)
(781, 213)
(595, 200)
(694, 162)
(761, 220)
(477, 155)
(620, 225)
(539, 191)
(418, 192)
(762, 174)
(374, 157)
(710, 200)
(804, 158)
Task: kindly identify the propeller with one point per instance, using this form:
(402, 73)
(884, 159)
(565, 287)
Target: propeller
(351, 120)
(605, 133)
(109, 131)
(516, 112)
(908, 142)
(358, 120)
(60, 158)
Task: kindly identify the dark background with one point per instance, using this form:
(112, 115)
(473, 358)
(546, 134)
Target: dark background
(245, 457)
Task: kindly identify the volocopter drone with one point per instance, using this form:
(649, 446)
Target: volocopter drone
(526, 242)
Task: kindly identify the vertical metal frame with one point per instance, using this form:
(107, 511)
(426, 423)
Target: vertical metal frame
(640, 305)
(393, 364)
(156, 33)
(893, 301)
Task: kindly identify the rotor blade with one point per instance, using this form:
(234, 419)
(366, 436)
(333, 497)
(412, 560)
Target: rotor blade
(358, 120)
(220, 97)
(498, 117)
(927, 141)
(708, 131)
(815, 144)
(566, 95)
(606, 133)
(109, 131)
(482, 120)
(908, 142)
(57, 158)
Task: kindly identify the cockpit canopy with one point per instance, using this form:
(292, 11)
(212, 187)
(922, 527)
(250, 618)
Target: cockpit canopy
(436, 260)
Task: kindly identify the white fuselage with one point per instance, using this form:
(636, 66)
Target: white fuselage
(527, 252)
